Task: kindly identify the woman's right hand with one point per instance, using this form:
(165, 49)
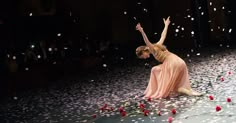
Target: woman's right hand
(139, 27)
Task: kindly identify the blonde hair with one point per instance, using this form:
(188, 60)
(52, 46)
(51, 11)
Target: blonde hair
(140, 50)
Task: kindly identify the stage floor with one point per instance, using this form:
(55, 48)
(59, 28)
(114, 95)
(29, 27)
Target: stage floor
(81, 99)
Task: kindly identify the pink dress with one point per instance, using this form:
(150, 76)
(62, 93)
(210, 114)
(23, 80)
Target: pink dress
(166, 78)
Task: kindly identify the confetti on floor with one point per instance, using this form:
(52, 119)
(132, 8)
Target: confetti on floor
(98, 98)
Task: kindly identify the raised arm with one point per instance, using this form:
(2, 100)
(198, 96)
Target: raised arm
(145, 38)
(164, 32)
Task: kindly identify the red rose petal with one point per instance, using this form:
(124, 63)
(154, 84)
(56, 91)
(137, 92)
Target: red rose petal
(102, 109)
(105, 105)
(141, 105)
(121, 109)
(222, 79)
(173, 111)
(211, 97)
(228, 99)
(218, 108)
(94, 115)
(149, 99)
(112, 109)
(123, 113)
(170, 119)
(146, 112)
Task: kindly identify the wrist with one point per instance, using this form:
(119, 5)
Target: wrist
(140, 29)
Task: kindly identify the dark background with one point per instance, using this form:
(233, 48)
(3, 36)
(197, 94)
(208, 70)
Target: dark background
(95, 33)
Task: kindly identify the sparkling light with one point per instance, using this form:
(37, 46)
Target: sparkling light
(39, 56)
(230, 30)
(214, 9)
(14, 57)
(192, 50)
(218, 27)
(192, 32)
(104, 65)
(144, 9)
(192, 19)
(15, 98)
(182, 28)
(8, 56)
(125, 12)
(139, 3)
(121, 58)
(70, 13)
(227, 46)
(202, 13)
(49, 49)
(65, 48)
(30, 14)
(198, 54)
(223, 29)
(155, 33)
(26, 68)
(176, 30)
(210, 3)
(223, 7)
(188, 55)
(199, 7)
(212, 30)
(59, 34)
(173, 24)
(221, 45)
(32, 46)
(135, 18)
(188, 16)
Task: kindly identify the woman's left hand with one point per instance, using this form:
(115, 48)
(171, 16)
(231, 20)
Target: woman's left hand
(166, 21)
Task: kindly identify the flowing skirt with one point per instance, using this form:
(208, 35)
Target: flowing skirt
(166, 78)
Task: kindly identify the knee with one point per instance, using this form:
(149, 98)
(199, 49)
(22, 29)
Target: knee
(155, 69)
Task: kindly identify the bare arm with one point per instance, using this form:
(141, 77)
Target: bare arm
(145, 38)
(164, 32)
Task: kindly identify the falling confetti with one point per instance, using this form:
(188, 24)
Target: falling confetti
(49, 49)
(104, 65)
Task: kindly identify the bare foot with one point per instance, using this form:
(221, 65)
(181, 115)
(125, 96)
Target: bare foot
(195, 93)
(185, 91)
(189, 92)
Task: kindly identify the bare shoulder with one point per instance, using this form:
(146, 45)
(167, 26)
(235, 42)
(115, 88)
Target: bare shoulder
(160, 46)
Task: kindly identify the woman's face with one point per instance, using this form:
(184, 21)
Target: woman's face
(145, 55)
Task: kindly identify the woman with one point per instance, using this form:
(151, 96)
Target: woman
(170, 77)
